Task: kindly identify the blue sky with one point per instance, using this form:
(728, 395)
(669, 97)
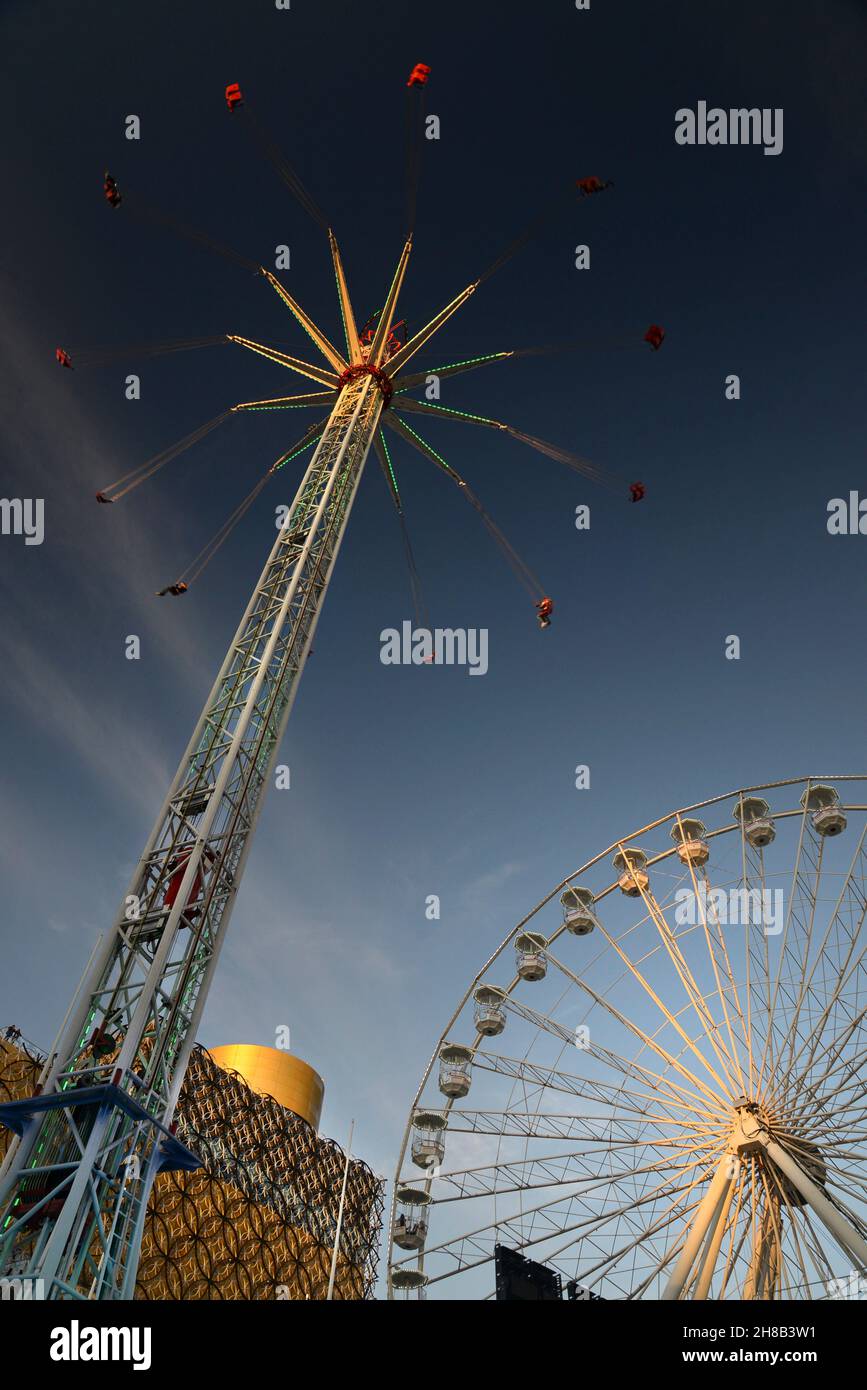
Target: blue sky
(414, 781)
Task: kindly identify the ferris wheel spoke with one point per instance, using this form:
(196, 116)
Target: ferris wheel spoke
(675, 1250)
(630, 1069)
(846, 972)
(645, 1038)
(843, 1155)
(674, 1211)
(651, 993)
(841, 1136)
(549, 1224)
(810, 1103)
(482, 1239)
(544, 1125)
(752, 865)
(716, 941)
(772, 990)
(516, 1175)
(500, 1179)
(727, 1059)
(769, 1054)
(852, 898)
(608, 1266)
(851, 1068)
(854, 1188)
(606, 1093)
(821, 1260)
(757, 963)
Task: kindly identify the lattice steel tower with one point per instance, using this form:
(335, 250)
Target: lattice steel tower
(76, 1185)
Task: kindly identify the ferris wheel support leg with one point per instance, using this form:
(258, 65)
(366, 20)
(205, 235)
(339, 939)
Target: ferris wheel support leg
(707, 1211)
(761, 1275)
(715, 1232)
(825, 1210)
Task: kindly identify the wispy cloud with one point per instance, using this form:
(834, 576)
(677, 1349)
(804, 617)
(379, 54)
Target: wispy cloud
(96, 559)
(94, 730)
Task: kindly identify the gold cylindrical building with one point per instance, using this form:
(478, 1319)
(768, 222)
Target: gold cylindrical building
(258, 1218)
(272, 1072)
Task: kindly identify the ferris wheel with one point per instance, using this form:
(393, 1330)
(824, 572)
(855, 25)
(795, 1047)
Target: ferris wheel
(660, 1091)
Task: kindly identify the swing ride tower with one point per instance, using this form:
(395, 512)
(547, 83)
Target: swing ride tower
(76, 1188)
(75, 1185)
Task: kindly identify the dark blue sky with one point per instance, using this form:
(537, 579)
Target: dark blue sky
(410, 782)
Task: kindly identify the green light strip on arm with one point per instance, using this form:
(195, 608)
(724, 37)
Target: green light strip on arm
(470, 361)
(427, 446)
(390, 468)
(465, 362)
(287, 458)
(461, 414)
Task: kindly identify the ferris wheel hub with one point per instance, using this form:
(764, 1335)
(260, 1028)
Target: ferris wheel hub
(755, 1133)
(749, 1131)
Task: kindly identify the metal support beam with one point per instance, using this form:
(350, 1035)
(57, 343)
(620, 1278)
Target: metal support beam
(708, 1208)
